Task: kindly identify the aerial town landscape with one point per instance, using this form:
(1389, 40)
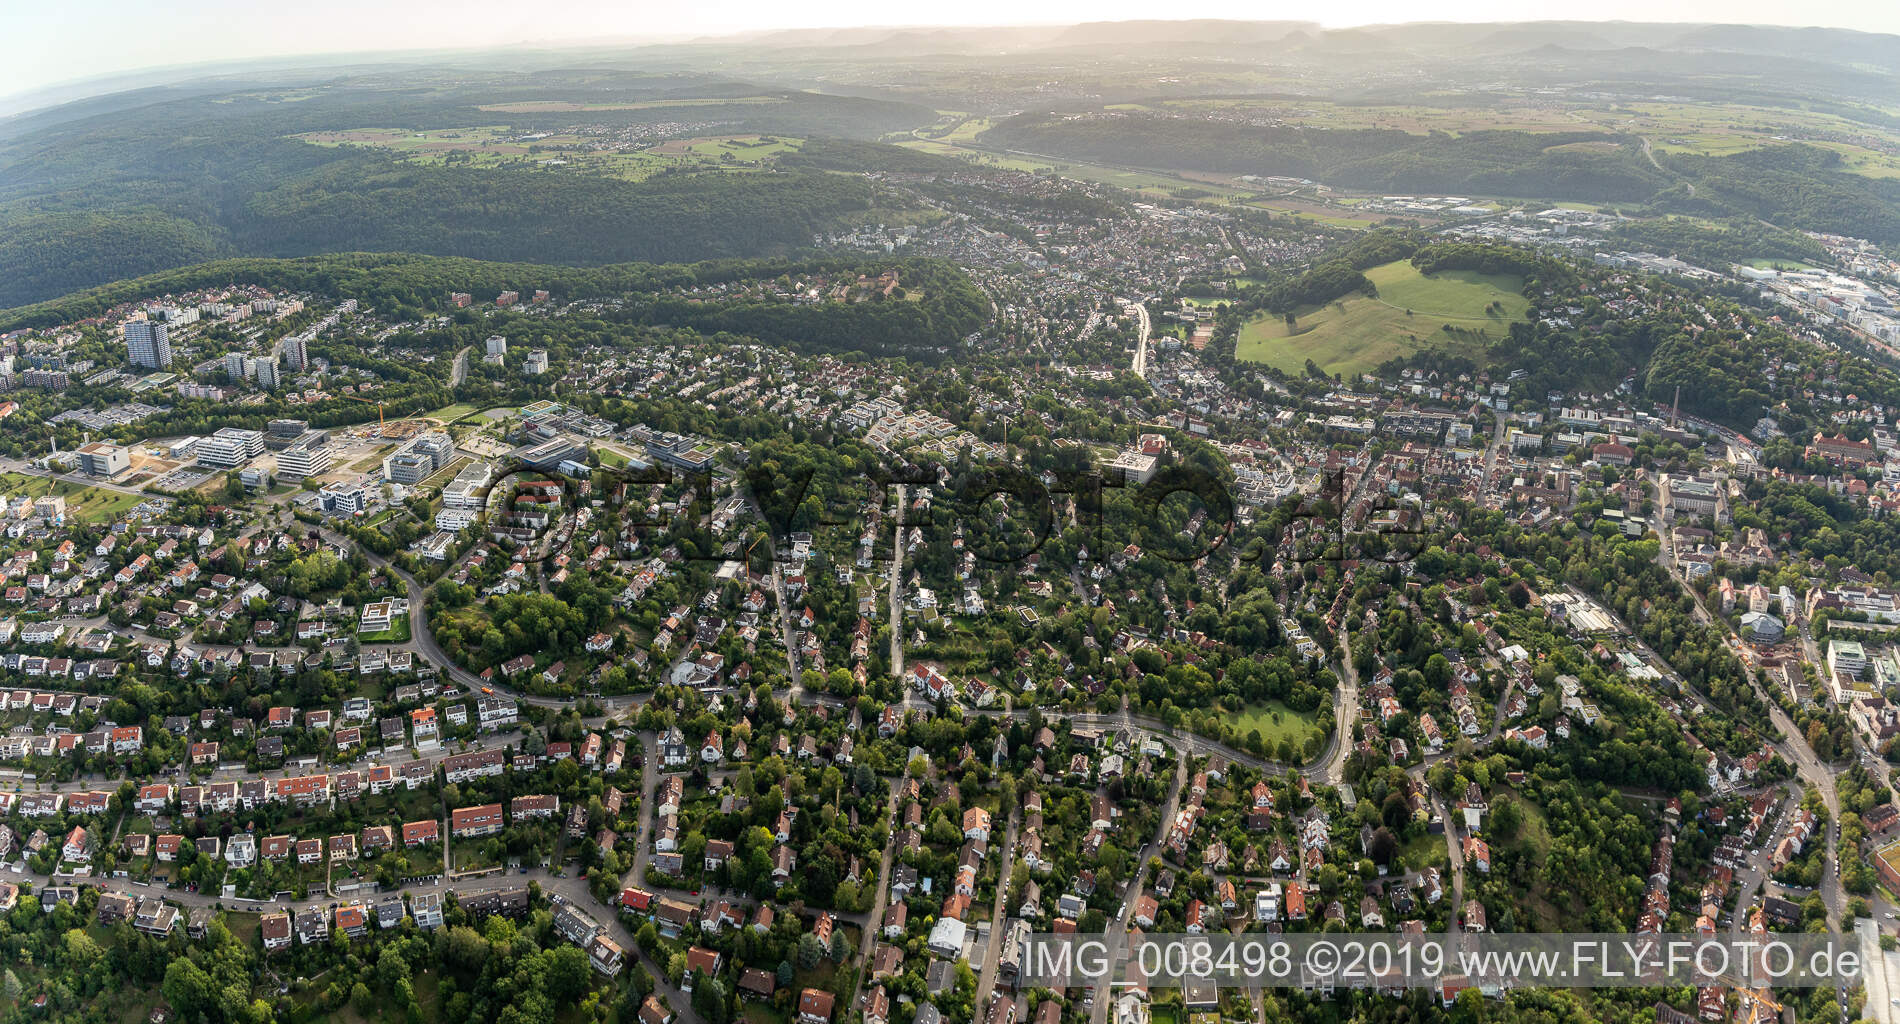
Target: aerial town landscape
(771, 529)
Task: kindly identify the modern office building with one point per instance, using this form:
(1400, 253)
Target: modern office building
(307, 456)
(469, 489)
(281, 434)
(231, 446)
(343, 499)
(102, 459)
(418, 459)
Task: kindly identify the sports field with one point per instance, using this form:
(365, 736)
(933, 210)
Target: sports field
(1410, 313)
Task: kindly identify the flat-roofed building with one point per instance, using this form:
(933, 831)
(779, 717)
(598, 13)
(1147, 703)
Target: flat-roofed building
(1131, 466)
(102, 459)
(306, 457)
(231, 446)
(419, 458)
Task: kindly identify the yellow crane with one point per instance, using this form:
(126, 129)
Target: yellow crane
(378, 405)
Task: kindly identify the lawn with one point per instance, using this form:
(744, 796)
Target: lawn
(446, 473)
(467, 855)
(1424, 851)
(452, 413)
(1291, 725)
(397, 633)
(242, 925)
(1410, 313)
(87, 504)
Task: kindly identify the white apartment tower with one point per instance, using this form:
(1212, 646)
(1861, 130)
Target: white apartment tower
(147, 344)
(296, 352)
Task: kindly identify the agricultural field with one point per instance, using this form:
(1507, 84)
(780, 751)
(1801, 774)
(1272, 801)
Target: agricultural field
(505, 146)
(568, 106)
(1709, 129)
(1411, 312)
(748, 149)
(1330, 214)
(1147, 181)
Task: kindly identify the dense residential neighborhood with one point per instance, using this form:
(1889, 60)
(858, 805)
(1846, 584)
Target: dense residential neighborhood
(983, 537)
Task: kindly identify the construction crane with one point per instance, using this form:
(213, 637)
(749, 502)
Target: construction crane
(378, 405)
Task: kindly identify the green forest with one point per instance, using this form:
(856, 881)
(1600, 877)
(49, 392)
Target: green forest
(1796, 187)
(90, 198)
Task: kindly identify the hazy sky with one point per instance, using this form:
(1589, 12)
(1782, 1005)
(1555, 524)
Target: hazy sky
(61, 40)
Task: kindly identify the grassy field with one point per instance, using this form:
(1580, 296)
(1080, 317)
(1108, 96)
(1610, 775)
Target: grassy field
(397, 633)
(1151, 182)
(1770, 263)
(1423, 851)
(446, 473)
(87, 504)
(748, 149)
(1322, 213)
(373, 461)
(451, 413)
(1291, 725)
(1410, 313)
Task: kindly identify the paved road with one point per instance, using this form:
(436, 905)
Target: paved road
(999, 912)
(1651, 156)
(1103, 995)
(1141, 342)
(874, 921)
(1455, 849)
(1346, 718)
(649, 785)
(897, 590)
